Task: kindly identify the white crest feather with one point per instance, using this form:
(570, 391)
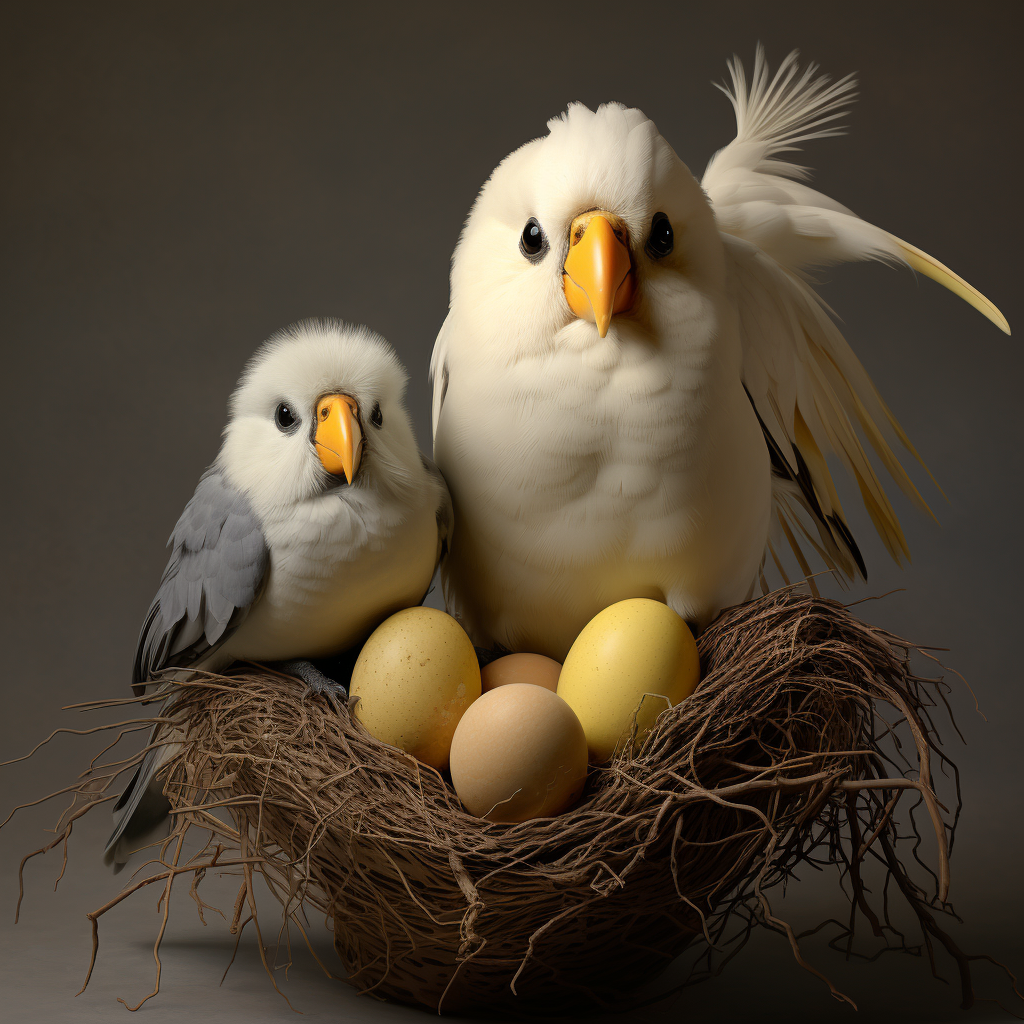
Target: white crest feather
(788, 108)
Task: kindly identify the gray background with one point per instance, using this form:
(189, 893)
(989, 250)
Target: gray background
(180, 180)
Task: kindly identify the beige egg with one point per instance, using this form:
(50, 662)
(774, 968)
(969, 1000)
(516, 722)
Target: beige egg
(520, 668)
(630, 663)
(519, 752)
(414, 678)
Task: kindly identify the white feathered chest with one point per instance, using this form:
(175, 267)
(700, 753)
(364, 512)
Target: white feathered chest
(337, 568)
(603, 469)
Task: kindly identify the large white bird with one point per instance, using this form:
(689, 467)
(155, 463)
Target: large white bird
(636, 388)
(318, 519)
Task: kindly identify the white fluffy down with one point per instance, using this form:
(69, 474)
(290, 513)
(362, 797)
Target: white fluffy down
(298, 366)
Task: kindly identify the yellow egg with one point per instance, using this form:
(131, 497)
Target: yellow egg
(519, 752)
(414, 678)
(520, 668)
(632, 661)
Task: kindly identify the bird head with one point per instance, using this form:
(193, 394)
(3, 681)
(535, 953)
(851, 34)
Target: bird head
(596, 230)
(320, 408)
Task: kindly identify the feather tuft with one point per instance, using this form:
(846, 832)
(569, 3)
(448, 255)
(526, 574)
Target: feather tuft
(779, 112)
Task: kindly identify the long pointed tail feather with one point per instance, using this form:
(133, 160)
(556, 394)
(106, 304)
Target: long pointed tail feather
(931, 267)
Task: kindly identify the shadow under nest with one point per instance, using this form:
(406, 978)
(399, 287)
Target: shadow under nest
(807, 729)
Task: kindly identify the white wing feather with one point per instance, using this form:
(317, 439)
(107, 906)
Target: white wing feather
(438, 376)
(808, 387)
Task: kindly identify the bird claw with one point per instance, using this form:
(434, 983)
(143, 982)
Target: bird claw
(316, 682)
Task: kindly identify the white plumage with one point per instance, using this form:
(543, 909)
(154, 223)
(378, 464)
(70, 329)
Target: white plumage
(342, 557)
(317, 520)
(664, 457)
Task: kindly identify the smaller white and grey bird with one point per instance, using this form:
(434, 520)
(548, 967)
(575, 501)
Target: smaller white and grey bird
(317, 520)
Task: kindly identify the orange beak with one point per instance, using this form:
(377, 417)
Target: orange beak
(598, 278)
(338, 437)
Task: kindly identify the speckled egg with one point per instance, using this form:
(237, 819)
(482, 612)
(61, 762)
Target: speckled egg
(518, 753)
(415, 677)
(632, 661)
(521, 668)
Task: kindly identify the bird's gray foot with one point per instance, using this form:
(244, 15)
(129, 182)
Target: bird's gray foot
(315, 680)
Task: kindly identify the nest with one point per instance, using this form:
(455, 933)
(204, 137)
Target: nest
(806, 732)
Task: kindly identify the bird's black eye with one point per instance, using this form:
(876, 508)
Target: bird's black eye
(377, 417)
(533, 244)
(285, 419)
(661, 239)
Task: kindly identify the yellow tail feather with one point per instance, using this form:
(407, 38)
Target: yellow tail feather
(931, 267)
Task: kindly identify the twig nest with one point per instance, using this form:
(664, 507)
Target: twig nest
(782, 752)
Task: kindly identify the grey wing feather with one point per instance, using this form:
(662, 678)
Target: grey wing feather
(218, 564)
(445, 514)
(216, 571)
(139, 810)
